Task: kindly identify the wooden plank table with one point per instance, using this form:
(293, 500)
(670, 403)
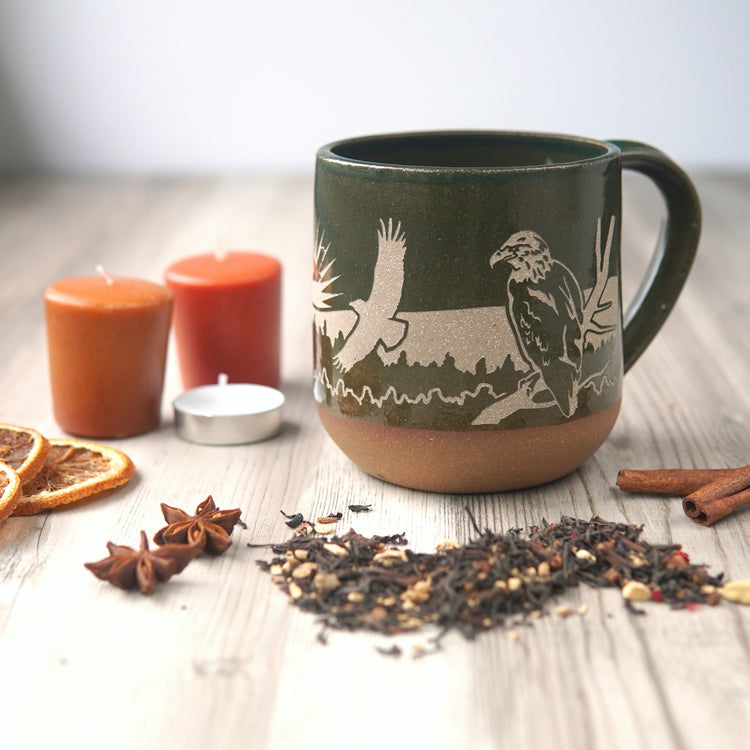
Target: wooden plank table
(219, 658)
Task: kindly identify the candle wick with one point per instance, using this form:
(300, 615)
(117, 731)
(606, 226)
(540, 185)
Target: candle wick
(103, 272)
(223, 379)
(220, 248)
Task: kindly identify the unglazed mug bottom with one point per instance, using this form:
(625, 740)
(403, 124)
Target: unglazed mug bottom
(465, 462)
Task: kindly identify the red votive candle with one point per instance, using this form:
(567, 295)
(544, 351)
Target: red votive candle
(107, 342)
(227, 317)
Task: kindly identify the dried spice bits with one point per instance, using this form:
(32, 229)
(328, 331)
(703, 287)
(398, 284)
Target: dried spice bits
(323, 526)
(129, 568)
(353, 582)
(209, 528)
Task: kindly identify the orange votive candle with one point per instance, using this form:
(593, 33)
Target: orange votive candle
(227, 317)
(107, 342)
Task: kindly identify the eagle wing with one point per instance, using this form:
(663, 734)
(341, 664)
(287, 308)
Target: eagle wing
(375, 314)
(388, 276)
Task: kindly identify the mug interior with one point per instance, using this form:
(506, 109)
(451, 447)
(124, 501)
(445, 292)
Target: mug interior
(470, 149)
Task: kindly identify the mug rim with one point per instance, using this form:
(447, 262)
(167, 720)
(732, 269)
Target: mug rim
(592, 150)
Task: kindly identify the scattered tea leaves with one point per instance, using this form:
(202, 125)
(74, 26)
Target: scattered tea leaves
(353, 582)
(295, 519)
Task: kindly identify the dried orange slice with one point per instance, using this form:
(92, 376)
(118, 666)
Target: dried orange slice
(23, 450)
(74, 470)
(10, 490)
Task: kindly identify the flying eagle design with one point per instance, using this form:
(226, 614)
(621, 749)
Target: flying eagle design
(376, 322)
(545, 309)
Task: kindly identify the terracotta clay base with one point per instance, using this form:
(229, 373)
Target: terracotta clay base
(469, 461)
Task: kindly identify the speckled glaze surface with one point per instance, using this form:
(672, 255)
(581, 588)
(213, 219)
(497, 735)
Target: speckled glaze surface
(467, 321)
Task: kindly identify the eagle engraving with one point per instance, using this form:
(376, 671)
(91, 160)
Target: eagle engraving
(377, 324)
(545, 308)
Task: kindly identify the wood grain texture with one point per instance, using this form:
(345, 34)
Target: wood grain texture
(219, 658)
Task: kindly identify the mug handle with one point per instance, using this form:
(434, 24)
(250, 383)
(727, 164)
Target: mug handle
(674, 253)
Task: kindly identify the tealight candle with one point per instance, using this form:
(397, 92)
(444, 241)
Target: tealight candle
(227, 310)
(228, 413)
(107, 342)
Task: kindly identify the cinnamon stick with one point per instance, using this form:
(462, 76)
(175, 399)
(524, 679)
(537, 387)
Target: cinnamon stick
(707, 514)
(718, 499)
(668, 481)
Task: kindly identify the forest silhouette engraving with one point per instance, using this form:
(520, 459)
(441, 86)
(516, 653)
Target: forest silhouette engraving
(549, 352)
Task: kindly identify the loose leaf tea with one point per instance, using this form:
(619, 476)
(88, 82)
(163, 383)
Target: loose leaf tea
(369, 583)
(295, 519)
(303, 527)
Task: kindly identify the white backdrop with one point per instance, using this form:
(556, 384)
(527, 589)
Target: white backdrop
(191, 86)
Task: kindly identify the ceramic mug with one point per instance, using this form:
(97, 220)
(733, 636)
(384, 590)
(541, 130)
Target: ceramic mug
(468, 327)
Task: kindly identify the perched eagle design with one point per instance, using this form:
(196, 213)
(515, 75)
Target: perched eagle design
(545, 308)
(376, 322)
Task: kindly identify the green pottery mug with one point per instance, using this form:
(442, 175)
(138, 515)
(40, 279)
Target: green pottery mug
(468, 326)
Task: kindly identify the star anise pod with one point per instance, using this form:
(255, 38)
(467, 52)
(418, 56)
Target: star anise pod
(129, 568)
(209, 528)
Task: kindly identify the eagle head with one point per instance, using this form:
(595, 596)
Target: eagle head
(527, 254)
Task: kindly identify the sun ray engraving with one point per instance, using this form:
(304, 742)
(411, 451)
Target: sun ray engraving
(322, 274)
